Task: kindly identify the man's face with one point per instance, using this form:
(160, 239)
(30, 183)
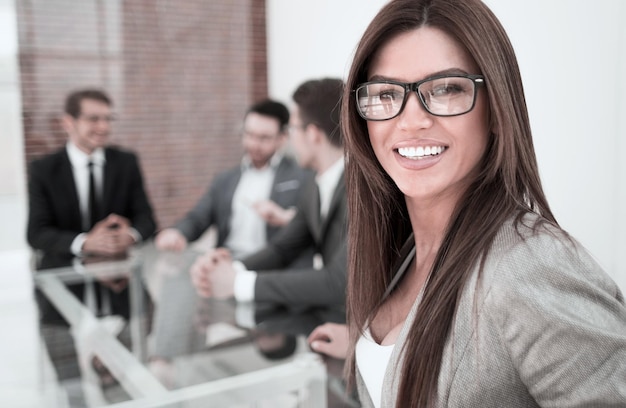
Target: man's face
(300, 141)
(261, 138)
(91, 129)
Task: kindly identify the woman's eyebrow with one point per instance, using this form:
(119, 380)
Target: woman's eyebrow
(447, 71)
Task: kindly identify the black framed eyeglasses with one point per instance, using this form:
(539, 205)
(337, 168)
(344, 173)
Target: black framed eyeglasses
(443, 95)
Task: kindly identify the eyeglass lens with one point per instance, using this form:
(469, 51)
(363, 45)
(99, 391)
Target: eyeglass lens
(97, 118)
(447, 96)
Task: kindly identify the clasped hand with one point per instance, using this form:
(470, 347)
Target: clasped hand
(213, 274)
(110, 236)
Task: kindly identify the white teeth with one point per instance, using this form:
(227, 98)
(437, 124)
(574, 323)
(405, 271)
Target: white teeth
(420, 152)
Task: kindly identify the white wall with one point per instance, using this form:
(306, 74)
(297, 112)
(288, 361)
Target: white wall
(313, 39)
(12, 178)
(573, 62)
(14, 253)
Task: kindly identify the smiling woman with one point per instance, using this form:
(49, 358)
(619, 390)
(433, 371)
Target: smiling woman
(456, 260)
(415, 125)
(551, 61)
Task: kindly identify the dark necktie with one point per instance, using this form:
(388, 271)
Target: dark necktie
(93, 200)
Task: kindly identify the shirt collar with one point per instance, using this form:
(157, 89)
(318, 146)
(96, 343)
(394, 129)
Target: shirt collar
(246, 163)
(78, 158)
(330, 178)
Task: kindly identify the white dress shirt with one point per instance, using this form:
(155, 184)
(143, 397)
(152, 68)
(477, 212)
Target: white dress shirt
(80, 170)
(326, 184)
(247, 229)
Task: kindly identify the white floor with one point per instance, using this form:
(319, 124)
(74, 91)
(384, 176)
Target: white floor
(26, 374)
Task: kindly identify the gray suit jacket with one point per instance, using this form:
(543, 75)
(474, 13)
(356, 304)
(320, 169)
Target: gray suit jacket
(543, 326)
(305, 286)
(214, 208)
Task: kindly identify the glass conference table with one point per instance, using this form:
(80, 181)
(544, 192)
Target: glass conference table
(132, 332)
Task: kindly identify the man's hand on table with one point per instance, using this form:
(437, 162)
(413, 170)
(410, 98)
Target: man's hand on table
(170, 239)
(109, 237)
(331, 339)
(213, 274)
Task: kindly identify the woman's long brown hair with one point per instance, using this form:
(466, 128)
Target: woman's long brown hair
(508, 185)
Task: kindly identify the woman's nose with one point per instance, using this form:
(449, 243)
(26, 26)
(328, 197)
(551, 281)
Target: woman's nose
(414, 114)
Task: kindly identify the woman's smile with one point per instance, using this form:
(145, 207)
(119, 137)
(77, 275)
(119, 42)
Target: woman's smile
(419, 152)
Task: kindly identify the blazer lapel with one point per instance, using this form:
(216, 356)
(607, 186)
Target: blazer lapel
(225, 202)
(67, 186)
(316, 221)
(110, 174)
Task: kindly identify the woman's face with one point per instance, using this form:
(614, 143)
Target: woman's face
(456, 143)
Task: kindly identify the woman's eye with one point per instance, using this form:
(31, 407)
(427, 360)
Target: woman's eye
(444, 90)
(390, 95)
(450, 87)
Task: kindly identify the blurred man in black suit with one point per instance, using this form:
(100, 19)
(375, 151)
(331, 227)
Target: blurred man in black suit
(87, 198)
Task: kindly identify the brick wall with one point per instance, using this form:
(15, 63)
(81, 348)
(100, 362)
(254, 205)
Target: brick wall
(181, 75)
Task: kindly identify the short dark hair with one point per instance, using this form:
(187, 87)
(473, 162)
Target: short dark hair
(273, 109)
(74, 99)
(319, 104)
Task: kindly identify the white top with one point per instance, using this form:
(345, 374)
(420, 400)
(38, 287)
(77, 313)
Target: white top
(326, 183)
(247, 228)
(372, 360)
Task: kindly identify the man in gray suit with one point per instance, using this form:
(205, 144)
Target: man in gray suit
(249, 203)
(320, 221)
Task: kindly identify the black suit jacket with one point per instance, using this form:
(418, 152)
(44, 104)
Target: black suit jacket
(306, 286)
(54, 217)
(215, 207)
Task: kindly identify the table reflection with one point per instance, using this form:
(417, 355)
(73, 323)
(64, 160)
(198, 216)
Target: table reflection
(131, 329)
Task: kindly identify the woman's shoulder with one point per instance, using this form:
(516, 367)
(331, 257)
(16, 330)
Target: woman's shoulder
(530, 255)
(531, 232)
(540, 299)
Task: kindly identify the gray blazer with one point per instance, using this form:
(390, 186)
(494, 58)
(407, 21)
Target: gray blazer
(305, 286)
(215, 206)
(543, 326)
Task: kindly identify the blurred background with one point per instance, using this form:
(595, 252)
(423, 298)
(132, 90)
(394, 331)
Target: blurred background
(181, 74)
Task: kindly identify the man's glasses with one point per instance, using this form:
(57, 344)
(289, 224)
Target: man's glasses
(445, 95)
(93, 119)
(259, 137)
